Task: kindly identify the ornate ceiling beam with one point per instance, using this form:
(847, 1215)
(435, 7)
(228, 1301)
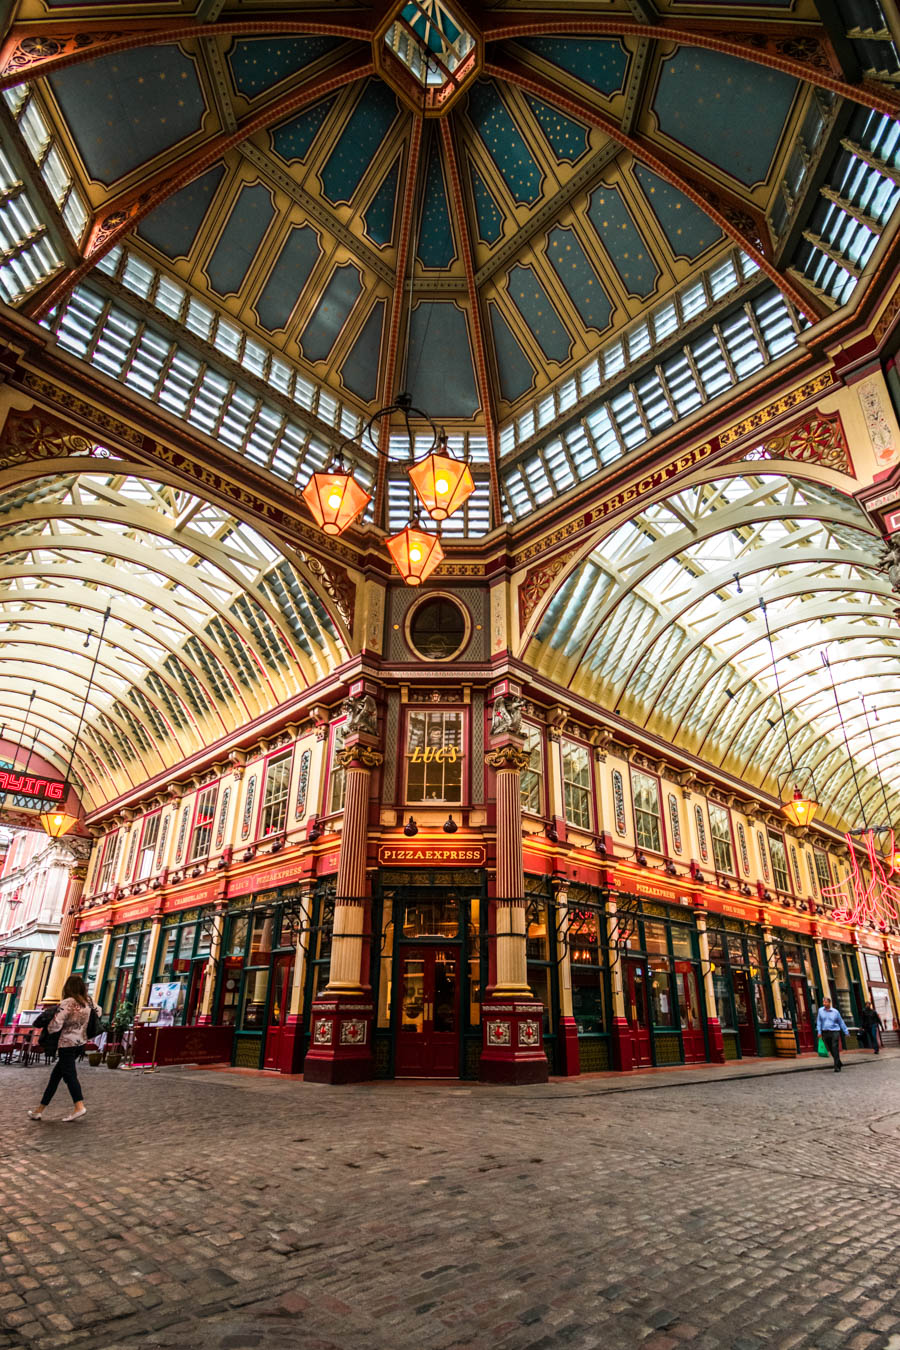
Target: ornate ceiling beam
(478, 329)
(40, 49)
(736, 217)
(121, 214)
(400, 306)
(802, 51)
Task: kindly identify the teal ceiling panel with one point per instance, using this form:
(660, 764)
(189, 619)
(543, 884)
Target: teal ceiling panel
(513, 365)
(623, 241)
(567, 139)
(288, 277)
(259, 63)
(488, 216)
(578, 277)
(359, 372)
(709, 103)
(338, 298)
(442, 375)
(379, 218)
(539, 313)
(366, 128)
(173, 226)
(599, 62)
(293, 140)
(436, 246)
(491, 118)
(688, 230)
(250, 217)
(125, 109)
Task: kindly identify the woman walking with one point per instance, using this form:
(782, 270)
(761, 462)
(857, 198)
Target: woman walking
(70, 1020)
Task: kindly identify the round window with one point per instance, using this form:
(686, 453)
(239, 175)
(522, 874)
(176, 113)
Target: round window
(438, 628)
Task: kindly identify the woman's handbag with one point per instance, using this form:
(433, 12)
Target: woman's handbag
(94, 1023)
(822, 1047)
(48, 1041)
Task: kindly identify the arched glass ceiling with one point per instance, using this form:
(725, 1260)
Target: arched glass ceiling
(662, 623)
(211, 624)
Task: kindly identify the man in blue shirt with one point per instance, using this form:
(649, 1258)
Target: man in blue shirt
(829, 1025)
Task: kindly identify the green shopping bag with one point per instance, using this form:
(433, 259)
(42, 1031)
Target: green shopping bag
(822, 1047)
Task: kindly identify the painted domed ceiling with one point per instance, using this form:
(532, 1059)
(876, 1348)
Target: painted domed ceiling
(251, 187)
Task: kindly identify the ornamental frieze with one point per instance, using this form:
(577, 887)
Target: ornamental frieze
(819, 439)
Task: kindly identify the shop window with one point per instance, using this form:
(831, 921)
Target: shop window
(275, 795)
(434, 757)
(149, 836)
(203, 823)
(661, 1008)
(537, 945)
(532, 777)
(576, 766)
(107, 863)
(645, 796)
(655, 940)
(822, 869)
(720, 830)
(682, 942)
(779, 862)
(585, 959)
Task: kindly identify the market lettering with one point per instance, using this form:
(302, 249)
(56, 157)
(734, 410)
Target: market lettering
(431, 755)
(50, 788)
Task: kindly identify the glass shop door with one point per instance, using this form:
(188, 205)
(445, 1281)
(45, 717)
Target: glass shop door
(282, 977)
(428, 1036)
(690, 1012)
(637, 1010)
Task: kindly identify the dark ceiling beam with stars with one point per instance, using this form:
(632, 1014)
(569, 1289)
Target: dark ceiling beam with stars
(478, 326)
(120, 215)
(398, 326)
(808, 56)
(740, 220)
(42, 50)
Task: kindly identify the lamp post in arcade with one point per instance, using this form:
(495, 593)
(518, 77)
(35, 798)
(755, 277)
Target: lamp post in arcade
(512, 1019)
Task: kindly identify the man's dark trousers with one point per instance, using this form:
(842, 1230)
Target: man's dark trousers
(833, 1040)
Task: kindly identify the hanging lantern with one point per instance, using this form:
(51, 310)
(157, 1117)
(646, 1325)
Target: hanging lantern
(442, 484)
(415, 553)
(57, 823)
(335, 498)
(799, 809)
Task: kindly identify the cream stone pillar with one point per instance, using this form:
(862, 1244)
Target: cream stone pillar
(101, 965)
(863, 975)
(204, 1013)
(556, 803)
(822, 968)
(713, 1025)
(772, 967)
(622, 1050)
(65, 947)
(152, 953)
(568, 1027)
(512, 1019)
(343, 1014)
(37, 964)
(894, 987)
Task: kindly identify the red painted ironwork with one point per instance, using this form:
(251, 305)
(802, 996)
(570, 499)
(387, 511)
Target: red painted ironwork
(860, 900)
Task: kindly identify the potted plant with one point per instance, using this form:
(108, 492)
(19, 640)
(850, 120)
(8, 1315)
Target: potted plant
(119, 1023)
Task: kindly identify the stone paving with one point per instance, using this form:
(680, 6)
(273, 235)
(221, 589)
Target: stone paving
(223, 1211)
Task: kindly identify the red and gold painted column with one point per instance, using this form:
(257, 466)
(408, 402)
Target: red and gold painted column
(512, 1019)
(342, 1016)
(713, 1025)
(62, 957)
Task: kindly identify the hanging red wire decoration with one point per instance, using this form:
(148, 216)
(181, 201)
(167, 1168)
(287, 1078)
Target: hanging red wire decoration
(858, 901)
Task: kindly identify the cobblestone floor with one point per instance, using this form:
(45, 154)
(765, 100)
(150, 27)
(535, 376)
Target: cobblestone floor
(211, 1210)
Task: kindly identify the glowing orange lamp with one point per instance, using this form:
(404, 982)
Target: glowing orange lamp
(799, 809)
(442, 483)
(335, 498)
(415, 553)
(57, 823)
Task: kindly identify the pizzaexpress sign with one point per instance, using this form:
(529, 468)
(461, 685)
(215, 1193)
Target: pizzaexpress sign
(447, 855)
